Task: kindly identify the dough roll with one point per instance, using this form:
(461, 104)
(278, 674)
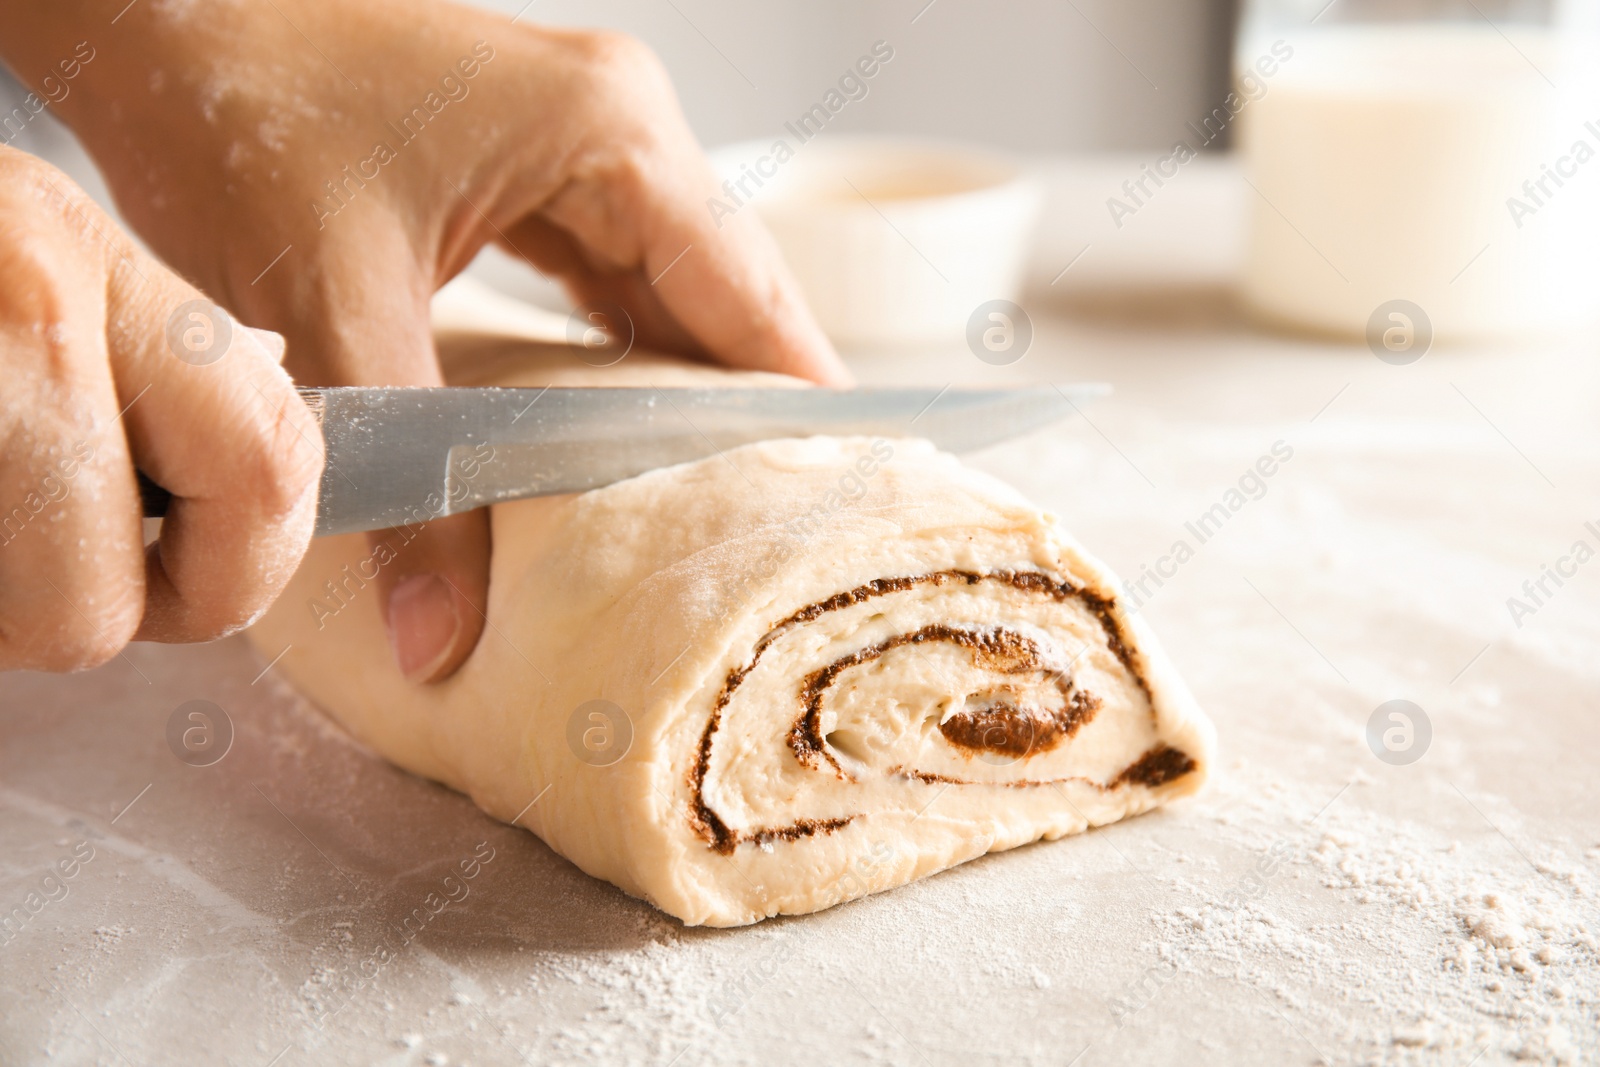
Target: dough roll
(769, 681)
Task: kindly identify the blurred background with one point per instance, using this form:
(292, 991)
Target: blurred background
(1032, 75)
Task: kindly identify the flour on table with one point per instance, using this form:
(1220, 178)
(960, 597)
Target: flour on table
(1465, 950)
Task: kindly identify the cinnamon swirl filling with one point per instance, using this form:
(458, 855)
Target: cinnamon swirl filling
(988, 700)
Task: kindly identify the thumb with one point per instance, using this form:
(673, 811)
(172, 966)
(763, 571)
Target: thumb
(434, 592)
(359, 316)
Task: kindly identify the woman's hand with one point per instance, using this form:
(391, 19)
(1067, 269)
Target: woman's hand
(322, 166)
(110, 362)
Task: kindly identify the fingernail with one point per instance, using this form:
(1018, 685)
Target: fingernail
(423, 624)
(274, 343)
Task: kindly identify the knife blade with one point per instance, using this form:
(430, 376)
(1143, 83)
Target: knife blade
(401, 456)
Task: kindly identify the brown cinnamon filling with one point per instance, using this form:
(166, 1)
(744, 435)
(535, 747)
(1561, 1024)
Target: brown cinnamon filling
(998, 728)
(796, 830)
(1010, 730)
(999, 648)
(1158, 766)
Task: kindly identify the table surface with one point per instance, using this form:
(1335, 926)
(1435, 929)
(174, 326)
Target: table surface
(1316, 904)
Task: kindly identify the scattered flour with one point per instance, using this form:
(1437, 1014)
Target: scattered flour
(1447, 953)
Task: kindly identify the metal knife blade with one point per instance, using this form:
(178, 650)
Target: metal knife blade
(401, 456)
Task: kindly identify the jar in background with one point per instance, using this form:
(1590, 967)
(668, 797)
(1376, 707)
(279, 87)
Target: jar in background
(1444, 153)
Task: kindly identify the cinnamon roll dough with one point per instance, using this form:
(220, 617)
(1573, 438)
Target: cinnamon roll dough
(769, 681)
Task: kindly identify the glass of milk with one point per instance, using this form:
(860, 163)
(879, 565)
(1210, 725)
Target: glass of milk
(1421, 166)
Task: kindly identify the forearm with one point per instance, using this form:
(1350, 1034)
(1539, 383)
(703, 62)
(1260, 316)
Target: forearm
(105, 67)
(152, 95)
(245, 109)
(98, 63)
(48, 46)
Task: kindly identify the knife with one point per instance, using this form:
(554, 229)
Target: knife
(401, 456)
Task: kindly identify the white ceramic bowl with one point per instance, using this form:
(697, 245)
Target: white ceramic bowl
(893, 240)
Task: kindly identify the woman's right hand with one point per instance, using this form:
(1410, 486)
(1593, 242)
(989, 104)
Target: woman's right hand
(111, 362)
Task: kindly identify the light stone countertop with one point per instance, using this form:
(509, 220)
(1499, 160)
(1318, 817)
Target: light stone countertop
(1317, 903)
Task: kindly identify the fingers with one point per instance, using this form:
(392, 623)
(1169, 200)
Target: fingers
(435, 592)
(731, 289)
(728, 289)
(113, 362)
(365, 322)
(213, 419)
(636, 203)
(555, 252)
(71, 554)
